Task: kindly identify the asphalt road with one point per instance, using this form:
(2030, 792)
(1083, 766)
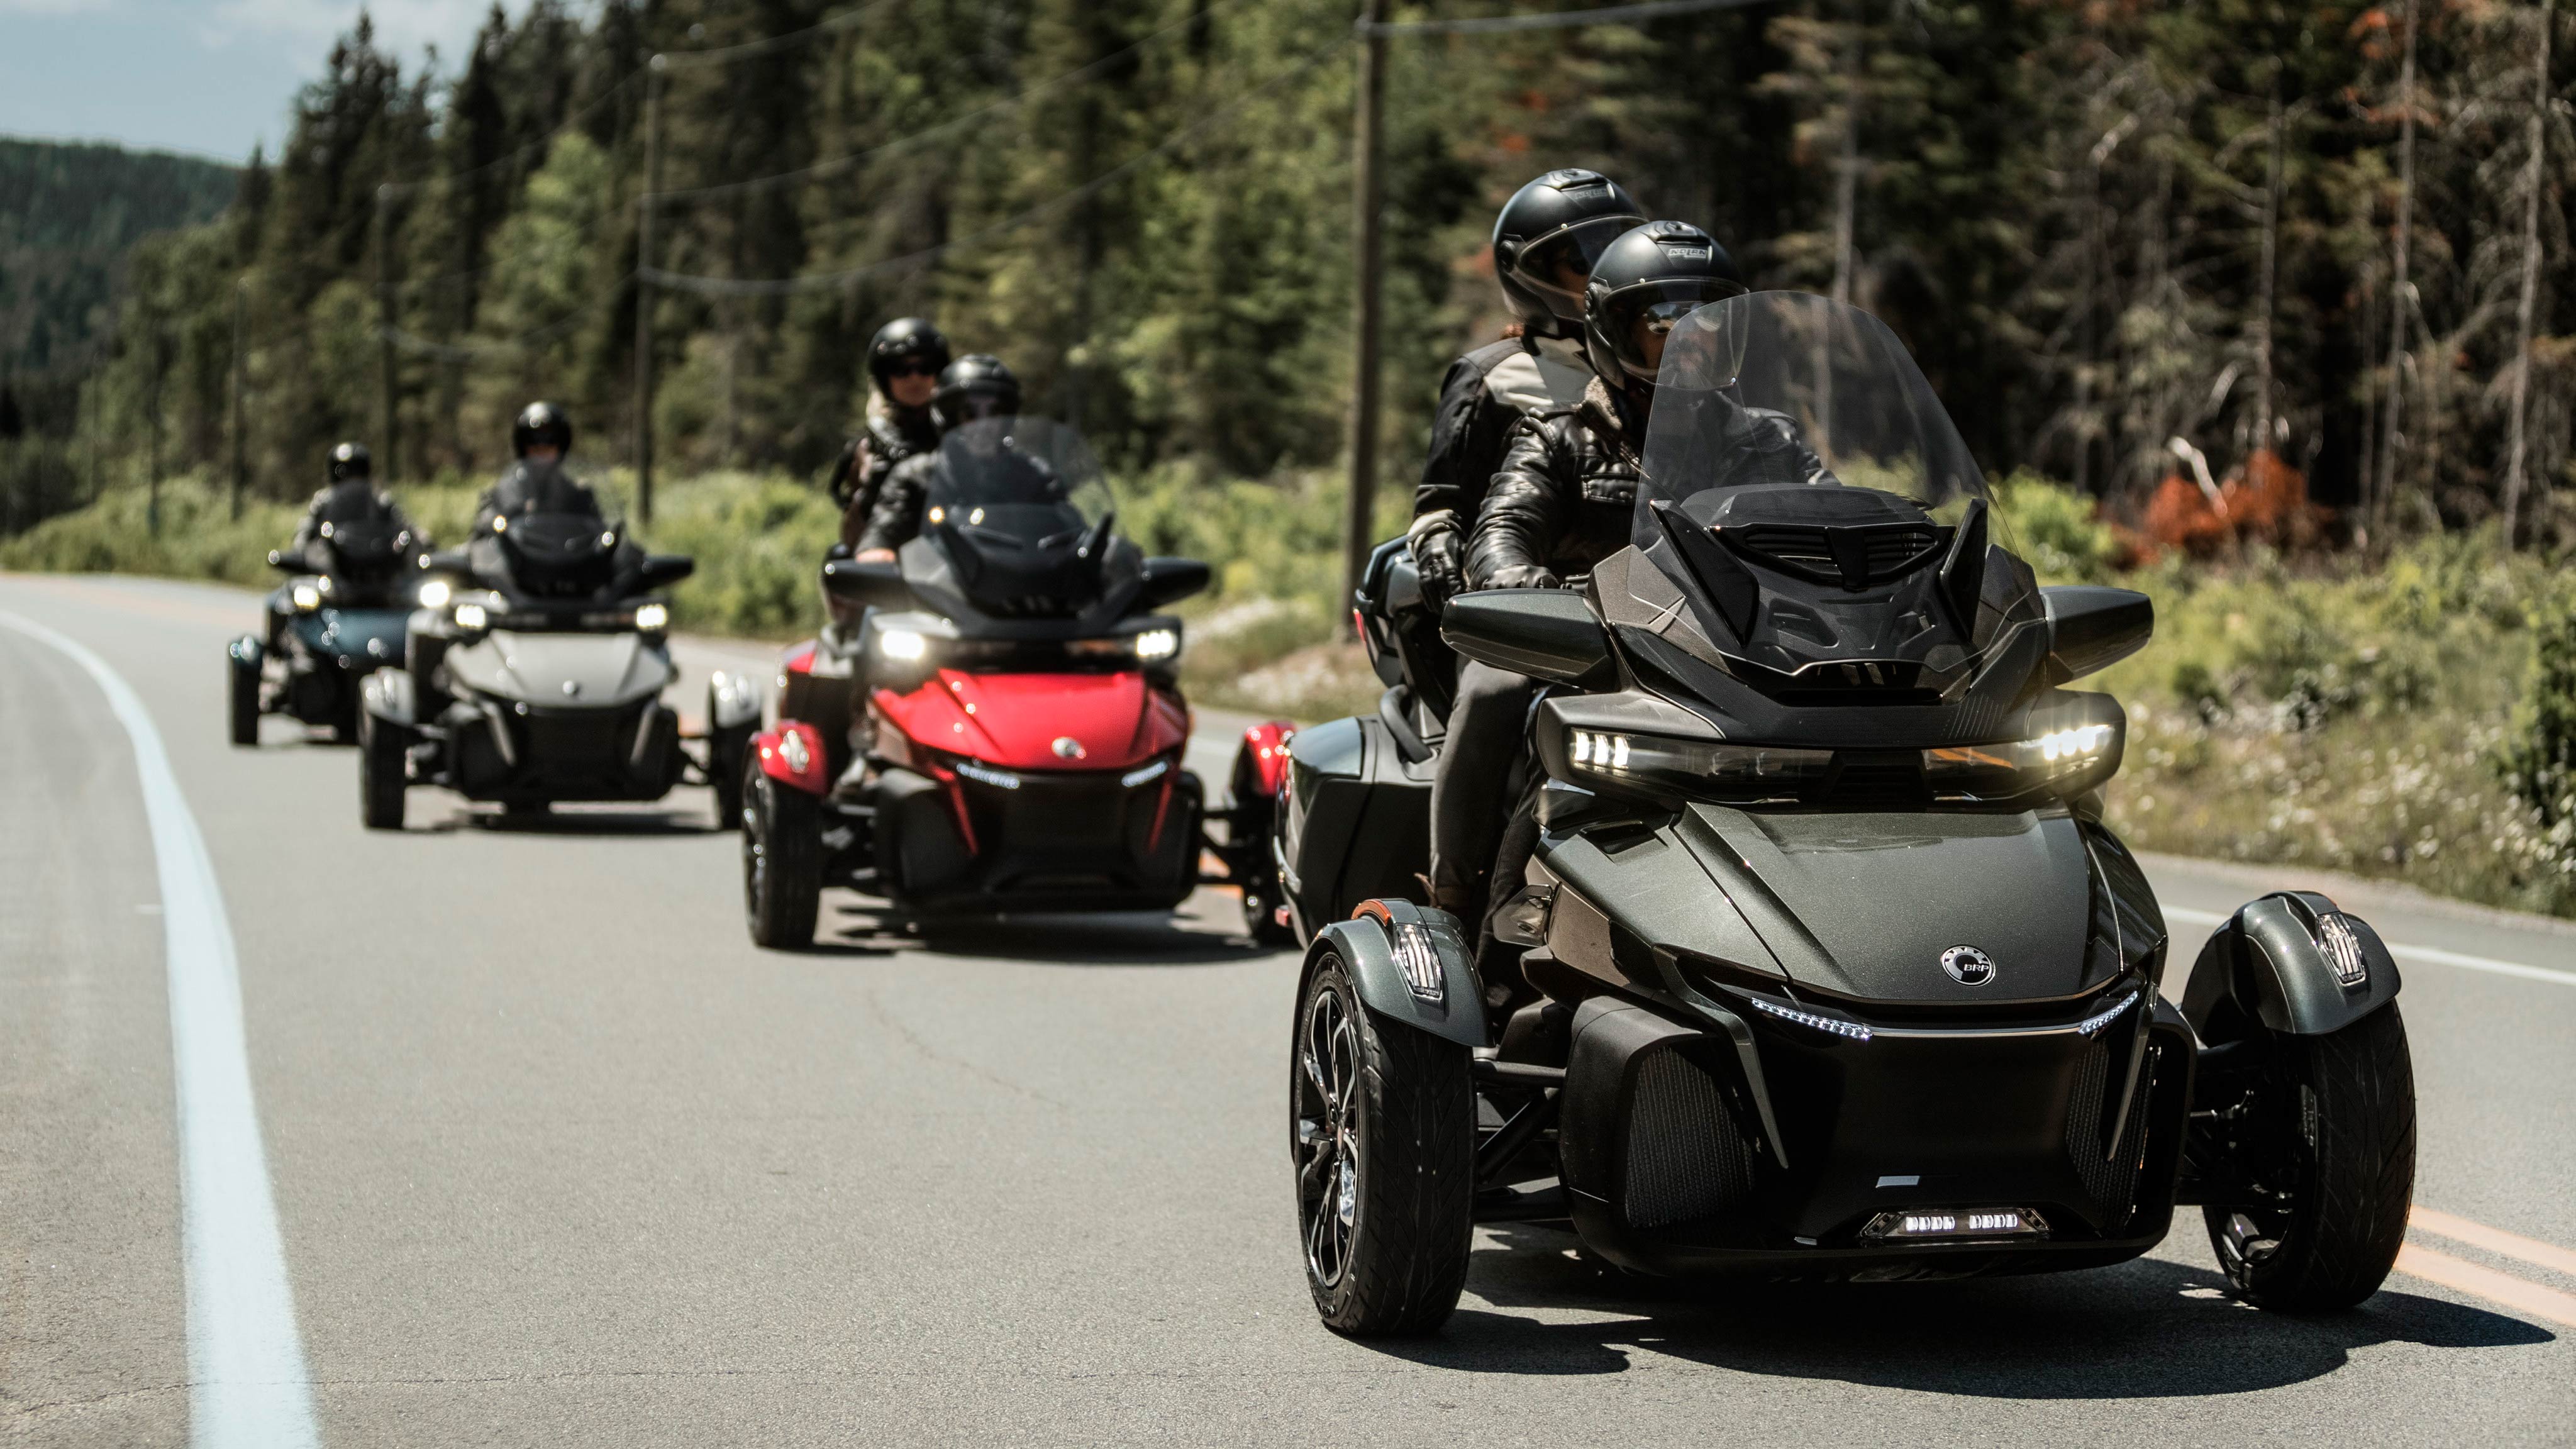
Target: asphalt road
(558, 1158)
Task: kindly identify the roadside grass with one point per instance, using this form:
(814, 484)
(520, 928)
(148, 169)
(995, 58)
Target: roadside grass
(2371, 716)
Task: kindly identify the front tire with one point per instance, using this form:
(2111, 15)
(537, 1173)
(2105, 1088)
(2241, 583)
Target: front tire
(1383, 1130)
(244, 701)
(728, 747)
(782, 861)
(2344, 1142)
(384, 760)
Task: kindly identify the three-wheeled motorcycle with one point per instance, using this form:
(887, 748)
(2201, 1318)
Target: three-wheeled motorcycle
(534, 675)
(995, 723)
(339, 616)
(1811, 956)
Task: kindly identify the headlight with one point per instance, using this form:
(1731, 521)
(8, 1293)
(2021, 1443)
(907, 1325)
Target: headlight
(903, 644)
(1156, 644)
(2068, 752)
(307, 597)
(471, 616)
(435, 594)
(653, 618)
(1744, 774)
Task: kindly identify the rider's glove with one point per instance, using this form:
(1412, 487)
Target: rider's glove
(1439, 556)
(1526, 576)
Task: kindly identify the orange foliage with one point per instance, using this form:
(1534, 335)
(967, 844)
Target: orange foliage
(2266, 502)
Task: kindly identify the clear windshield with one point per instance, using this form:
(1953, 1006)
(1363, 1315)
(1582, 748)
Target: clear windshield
(1021, 478)
(1789, 389)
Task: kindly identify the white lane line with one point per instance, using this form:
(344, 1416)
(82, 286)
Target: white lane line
(248, 1388)
(2399, 949)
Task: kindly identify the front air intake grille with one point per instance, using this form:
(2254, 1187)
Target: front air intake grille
(2111, 1179)
(1686, 1157)
(1854, 557)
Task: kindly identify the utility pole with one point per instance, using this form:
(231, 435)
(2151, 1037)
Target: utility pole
(2400, 286)
(89, 397)
(1367, 193)
(2271, 272)
(2534, 172)
(160, 363)
(385, 331)
(644, 290)
(241, 470)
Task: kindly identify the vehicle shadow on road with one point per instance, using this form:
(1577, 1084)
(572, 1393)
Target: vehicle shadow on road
(580, 822)
(2145, 1329)
(1127, 938)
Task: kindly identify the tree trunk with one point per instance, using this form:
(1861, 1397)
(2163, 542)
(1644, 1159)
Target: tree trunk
(2401, 284)
(2533, 173)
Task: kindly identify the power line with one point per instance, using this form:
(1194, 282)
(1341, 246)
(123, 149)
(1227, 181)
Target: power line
(1554, 19)
(827, 281)
(541, 144)
(956, 123)
(753, 49)
(505, 346)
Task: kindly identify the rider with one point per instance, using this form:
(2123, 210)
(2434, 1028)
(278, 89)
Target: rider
(973, 387)
(350, 497)
(1545, 241)
(537, 483)
(1560, 503)
(904, 363)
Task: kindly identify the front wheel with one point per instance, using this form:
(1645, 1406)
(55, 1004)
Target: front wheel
(1383, 1129)
(384, 750)
(2342, 1132)
(245, 701)
(782, 860)
(728, 749)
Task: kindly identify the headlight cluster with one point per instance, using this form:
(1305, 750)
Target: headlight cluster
(308, 597)
(653, 618)
(473, 616)
(435, 594)
(2063, 756)
(911, 646)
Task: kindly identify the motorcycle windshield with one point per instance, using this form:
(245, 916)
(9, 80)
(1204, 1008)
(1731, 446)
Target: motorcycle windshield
(559, 555)
(1800, 475)
(1022, 511)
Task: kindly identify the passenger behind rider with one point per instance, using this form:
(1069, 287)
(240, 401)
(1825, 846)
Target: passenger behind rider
(535, 484)
(904, 363)
(1560, 503)
(972, 388)
(1545, 241)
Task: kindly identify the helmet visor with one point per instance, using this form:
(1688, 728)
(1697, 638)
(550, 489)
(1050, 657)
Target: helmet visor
(1635, 321)
(1557, 264)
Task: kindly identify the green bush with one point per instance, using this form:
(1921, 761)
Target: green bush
(2055, 531)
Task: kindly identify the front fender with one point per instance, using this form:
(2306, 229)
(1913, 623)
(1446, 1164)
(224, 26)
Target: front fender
(387, 694)
(792, 754)
(1261, 761)
(2294, 964)
(1369, 943)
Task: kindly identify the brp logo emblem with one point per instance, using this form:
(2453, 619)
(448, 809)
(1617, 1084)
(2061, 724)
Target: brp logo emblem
(1068, 748)
(1968, 966)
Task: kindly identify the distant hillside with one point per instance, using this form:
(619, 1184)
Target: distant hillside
(69, 213)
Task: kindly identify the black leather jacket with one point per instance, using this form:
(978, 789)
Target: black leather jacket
(1562, 499)
(534, 488)
(1485, 393)
(1566, 497)
(351, 500)
(892, 434)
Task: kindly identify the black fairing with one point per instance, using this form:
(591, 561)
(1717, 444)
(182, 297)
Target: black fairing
(559, 555)
(364, 559)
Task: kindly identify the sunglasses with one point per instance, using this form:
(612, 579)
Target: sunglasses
(911, 368)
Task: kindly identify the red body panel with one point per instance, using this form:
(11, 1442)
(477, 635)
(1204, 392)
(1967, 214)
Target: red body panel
(778, 757)
(1266, 746)
(1116, 721)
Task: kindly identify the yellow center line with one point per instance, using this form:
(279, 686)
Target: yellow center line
(2487, 1283)
(2495, 1240)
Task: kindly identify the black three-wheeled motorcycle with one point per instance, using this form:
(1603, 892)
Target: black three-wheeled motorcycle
(1811, 956)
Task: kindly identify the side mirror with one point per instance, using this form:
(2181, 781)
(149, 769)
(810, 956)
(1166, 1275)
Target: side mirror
(838, 550)
(451, 561)
(2091, 628)
(1170, 580)
(661, 570)
(284, 562)
(1547, 634)
(877, 584)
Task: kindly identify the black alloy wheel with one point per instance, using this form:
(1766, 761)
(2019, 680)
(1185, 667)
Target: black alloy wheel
(2335, 1128)
(782, 860)
(1382, 1129)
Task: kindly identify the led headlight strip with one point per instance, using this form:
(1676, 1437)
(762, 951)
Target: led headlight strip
(2107, 1015)
(1836, 1025)
(1748, 774)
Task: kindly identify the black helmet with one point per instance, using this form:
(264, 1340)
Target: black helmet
(541, 424)
(975, 386)
(352, 460)
(1649, 279)
(1546, 241)
(905, 339)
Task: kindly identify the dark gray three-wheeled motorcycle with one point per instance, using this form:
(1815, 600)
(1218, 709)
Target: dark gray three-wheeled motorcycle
(1811, 956)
